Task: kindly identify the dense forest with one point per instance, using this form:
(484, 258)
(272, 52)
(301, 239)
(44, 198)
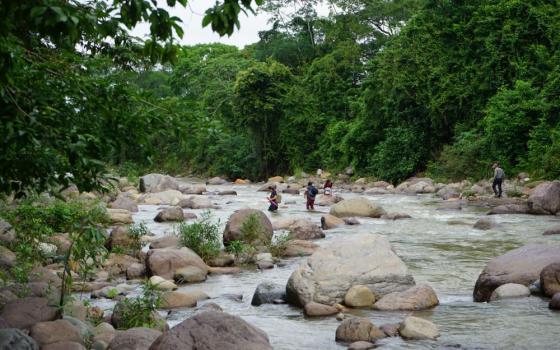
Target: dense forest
(391, 88)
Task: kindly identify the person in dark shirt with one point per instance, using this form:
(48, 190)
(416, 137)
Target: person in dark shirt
(272, 199)
(499, 176)
(310, 194)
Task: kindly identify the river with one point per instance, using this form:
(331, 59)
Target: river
(440, 247)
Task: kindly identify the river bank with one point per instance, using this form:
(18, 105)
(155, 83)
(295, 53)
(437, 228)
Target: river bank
(438, 244)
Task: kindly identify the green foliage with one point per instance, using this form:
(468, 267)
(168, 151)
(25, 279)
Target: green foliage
(236, 247)
(399, 155)
(252, 229)
(278, 245)
(136, 231)
(140, 311)
(203, 236)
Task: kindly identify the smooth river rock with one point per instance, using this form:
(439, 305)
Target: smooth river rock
(298, 247)
(509, 291)
(359, 296)
(165, 262)
(139, 338)
(420, 297)
(554, 303)
(417, 328)
(550, 279)
(305, 230)
(267, 293)
(170, 214)
(25, 312)
(363, 259)
(330, 221)
(358, 329)
(313, 309)
(522, 265)
(212, 330)
(358, 206)
(554, 230)
(55, 331)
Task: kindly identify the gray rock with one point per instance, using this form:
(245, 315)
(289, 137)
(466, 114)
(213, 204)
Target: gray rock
(305, 230)
(365, 259)
(124, 202)
(510, 209)
(64, 345)
(313, 309)
(419, 297)
(545, 198)
(134, 339)
(554, 303)
(522, 265)
(7, 233)
(170, 214)
(233, 232)
(211, 330)
(550, 279)
(157, 183)
(358, 329)
(216, 181)
(15, 339)
(357, 206)
(165, 262)
(361, 345)
(55, 331)
(485, 224)
(555, 230)
(267, 293)
(418, 328)
(24, 313)
(510, 290)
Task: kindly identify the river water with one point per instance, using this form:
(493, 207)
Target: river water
(440, 247)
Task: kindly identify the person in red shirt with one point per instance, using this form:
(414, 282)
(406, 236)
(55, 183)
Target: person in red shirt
(327, 187)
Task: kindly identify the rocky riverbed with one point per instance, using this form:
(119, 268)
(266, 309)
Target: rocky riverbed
(399, 237)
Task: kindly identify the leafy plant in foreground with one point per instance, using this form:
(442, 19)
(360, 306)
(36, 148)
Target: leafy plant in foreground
(203, 237)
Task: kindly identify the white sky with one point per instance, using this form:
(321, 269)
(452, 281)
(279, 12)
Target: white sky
(195, 34)
(192, 16)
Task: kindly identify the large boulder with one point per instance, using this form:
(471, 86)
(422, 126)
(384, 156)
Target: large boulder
(170, 214)
(550, 279)
(510, 290)
(358, 329)
(267, 293)
(195, 189)
(522, 265)
(211, 330)
(165, 262)
(419, 297)
(233, 229)
(134, 339)
(55, 331)
(365, 259)
(418, 328)
(545, 198)
(168, 197)
(124, 202)
(15, 339)
(305, 230)
(358, 206)
(24, 313)
(121, 237)
(157, 183)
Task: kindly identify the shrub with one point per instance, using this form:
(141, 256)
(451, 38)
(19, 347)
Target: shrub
(252, 229)
(141, 311)
(203, 236)
(136, 231)
(278, 245)
(236, 247)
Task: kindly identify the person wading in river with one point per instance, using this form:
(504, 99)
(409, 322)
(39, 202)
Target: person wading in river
(310, 194)
(498, 179)
(272, 199)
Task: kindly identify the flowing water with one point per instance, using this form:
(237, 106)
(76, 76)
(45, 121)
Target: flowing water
(440, 248)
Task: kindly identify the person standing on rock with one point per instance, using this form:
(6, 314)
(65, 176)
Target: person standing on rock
(273, 199)
(310, 194)
(327, 187)
(499, 176)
